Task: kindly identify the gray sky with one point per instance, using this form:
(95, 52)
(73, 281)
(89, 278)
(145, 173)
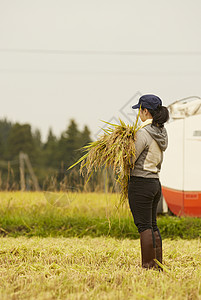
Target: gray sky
(86, 59)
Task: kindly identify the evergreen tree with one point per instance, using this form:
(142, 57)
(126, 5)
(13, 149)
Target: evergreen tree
(85, 136)
(50, 151)
(69, 144)
(37, 159)
(37, 139)
(2, 147)
(5, 127)
(20, 139)
(38, 148)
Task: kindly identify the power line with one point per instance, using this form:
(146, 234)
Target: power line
(102, 72)
(99, 52)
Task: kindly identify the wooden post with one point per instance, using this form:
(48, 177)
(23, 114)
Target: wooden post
(34, 178)
(23, 157)
(22, 178)
(8, 177)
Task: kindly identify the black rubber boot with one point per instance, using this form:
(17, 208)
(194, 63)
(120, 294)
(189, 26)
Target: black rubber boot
(148, 250)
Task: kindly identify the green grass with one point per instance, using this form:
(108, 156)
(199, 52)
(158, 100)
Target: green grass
(78, 215)
(96, 268)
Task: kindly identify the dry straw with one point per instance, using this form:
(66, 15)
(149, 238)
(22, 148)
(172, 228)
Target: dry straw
(115, 149)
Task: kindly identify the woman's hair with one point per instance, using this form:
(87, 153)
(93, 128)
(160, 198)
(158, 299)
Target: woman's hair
(160, 115)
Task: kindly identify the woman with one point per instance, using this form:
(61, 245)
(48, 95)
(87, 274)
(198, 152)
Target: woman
(144, 189)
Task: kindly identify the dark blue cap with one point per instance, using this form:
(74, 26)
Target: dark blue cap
(149, 102)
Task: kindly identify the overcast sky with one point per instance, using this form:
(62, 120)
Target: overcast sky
(90, 60)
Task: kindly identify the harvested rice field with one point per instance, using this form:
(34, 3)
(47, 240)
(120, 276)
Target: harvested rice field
(79, 246)
(96, 268)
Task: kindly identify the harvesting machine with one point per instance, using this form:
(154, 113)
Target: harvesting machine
(181, 169)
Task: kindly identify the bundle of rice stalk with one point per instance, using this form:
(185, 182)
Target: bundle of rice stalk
(114, 149)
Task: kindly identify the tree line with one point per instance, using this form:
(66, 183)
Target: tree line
(50, 159)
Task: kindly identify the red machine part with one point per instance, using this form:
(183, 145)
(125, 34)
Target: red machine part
(183, 203)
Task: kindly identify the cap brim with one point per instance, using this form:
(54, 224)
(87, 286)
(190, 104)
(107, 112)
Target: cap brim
(136, 106)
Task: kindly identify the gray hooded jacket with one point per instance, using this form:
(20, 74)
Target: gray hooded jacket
(150, 143)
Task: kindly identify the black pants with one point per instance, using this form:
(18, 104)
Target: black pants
(144, 195)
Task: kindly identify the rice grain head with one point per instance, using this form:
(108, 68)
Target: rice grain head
(115, 149)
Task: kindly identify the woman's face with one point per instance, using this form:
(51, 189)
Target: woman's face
(145, 114)
(142, 115)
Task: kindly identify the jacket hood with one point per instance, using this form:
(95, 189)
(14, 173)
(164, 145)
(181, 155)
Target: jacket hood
(159, 135)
